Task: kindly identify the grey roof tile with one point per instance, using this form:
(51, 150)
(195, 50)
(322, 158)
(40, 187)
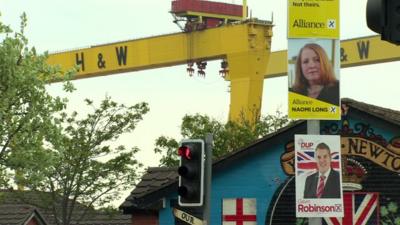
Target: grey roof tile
(17, 205)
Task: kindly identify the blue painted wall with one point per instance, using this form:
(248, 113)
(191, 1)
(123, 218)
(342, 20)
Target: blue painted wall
(259, 175)
(255, 177)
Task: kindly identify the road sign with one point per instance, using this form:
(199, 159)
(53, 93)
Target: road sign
(186, 217)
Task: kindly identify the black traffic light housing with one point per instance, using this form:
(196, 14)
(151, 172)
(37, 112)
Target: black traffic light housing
(191, 173)
(383, 17)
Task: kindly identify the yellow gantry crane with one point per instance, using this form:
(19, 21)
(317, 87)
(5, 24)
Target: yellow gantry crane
(214, 30)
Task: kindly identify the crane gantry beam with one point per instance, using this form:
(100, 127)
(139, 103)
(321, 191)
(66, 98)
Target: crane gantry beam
(353, 52)
(245, 46)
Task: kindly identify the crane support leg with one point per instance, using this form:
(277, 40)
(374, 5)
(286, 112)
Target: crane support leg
(246, 73)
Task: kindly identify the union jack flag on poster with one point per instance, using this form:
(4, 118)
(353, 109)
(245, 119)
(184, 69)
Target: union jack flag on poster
(359, 209)
(306, 161)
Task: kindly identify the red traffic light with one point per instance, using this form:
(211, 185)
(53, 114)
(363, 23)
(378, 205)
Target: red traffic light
(185, 151)
(191, 173)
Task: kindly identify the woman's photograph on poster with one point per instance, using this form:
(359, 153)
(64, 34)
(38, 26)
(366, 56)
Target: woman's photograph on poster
(313, 69)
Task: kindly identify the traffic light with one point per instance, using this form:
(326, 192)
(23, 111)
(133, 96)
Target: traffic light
(191, 173)
(383, 17)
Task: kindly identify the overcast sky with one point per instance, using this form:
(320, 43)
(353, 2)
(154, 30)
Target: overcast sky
(55, 25)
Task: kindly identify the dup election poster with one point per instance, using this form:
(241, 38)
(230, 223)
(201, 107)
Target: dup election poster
(313, 79)
(318, 176)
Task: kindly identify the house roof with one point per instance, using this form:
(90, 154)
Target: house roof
(159, 181)
(15, 206)
(19, 214)
(156, 179)
(389, 115)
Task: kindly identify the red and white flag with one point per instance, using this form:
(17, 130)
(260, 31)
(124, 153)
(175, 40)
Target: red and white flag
(239, 211)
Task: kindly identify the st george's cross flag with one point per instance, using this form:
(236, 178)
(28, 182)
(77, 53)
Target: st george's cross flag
(239, 211)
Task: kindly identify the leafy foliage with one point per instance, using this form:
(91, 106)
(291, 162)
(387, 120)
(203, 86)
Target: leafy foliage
(79, 165)
(390, 214)
(227, 137)
(25, 106)
(68, 159)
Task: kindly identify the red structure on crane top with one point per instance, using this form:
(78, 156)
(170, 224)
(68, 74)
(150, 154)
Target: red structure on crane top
(202, 14)
(210, 7)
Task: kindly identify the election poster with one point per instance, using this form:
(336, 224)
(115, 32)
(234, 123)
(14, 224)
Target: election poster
(313, 18)
(314, 79)
(318, 176)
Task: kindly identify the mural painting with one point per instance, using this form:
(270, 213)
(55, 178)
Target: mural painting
(371, 178)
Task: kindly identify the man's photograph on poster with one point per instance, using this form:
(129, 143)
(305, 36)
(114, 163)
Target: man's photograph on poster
(313, 69)
(318, 176)
(325, 181)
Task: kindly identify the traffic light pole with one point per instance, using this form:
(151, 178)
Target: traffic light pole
(207, 178)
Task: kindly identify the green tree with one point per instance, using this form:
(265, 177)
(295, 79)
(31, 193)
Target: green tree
(227, 137)
(79, 166)
(25, 106)
(67, 160)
